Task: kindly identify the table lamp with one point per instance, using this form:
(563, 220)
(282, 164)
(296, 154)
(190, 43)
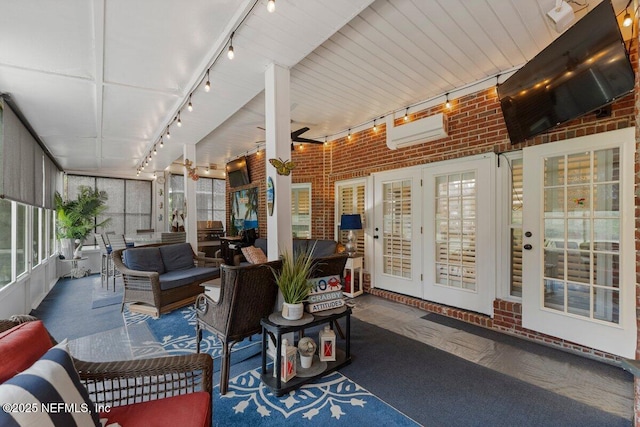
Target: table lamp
(350, 222)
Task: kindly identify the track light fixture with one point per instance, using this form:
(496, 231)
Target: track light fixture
(179, 121)
(207, 85)
(190, 106)
(230, 53)
(627, 21)
(271, 5)
(447, 103)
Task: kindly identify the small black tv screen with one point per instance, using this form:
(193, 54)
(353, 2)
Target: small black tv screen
(238, 172)
(583, 70)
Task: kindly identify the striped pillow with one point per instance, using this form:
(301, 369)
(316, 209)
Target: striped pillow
(49, 393)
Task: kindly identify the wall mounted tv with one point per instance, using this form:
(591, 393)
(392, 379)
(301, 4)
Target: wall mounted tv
(238, 172)
(583, 70)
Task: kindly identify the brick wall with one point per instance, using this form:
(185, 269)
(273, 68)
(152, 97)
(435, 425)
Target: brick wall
(476, 126)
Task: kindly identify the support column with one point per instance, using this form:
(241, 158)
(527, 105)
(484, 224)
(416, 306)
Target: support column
(190, 219)
(278, 141)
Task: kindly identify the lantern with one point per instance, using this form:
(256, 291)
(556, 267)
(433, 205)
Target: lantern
(327, 345)
(288, 361)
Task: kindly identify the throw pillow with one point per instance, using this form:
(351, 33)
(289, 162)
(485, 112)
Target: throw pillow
(21, 346)
(254, 255)
(47, 393)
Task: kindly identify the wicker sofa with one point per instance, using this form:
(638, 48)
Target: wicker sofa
(164, 391)
(162, 277)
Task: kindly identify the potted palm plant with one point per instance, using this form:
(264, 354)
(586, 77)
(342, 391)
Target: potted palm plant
(75, 219)
(294, 284)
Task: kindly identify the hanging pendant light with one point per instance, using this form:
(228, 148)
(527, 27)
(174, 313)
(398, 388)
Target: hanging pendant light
(207, 85)
(179, 121)
(271, 5)
(190, 106)
(230, 53)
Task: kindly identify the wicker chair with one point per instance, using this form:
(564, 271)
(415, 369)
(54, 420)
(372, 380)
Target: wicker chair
(112, 384)
(144, 286)
(247, 294)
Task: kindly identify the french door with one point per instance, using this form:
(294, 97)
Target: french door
(579, 253)
(397, 231)
(459, 238)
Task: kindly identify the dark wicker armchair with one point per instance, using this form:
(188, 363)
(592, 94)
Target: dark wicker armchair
(247, 294)
(143, 287)
(112, 384)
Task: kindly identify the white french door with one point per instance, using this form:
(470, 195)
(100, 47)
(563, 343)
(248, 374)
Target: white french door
(459, 238)
(578, 241)
(396, 231)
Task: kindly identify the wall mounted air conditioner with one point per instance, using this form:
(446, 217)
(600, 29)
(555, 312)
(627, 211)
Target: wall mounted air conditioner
(416, 132)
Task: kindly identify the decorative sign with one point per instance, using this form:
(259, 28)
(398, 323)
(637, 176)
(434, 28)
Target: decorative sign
(271, 196)
(288, 361)
(326, 294)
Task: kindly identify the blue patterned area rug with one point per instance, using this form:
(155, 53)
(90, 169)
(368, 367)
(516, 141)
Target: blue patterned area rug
(175, 333)
(331, 400)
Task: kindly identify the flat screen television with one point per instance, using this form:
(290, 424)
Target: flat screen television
(583, 70)
(238, 172)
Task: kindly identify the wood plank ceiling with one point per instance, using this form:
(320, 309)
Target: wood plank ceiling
(100, 81)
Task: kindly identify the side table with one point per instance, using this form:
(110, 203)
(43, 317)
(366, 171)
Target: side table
(353, 264)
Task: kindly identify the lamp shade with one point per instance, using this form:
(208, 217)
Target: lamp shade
(350, 222)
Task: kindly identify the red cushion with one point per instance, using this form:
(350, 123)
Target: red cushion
(186, 410)
(21, 346)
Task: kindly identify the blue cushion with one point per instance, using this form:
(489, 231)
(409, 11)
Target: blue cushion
(52, 380)
(261, 243)
(177, 278)
(323, 248)
(178, 256)
(144, 259)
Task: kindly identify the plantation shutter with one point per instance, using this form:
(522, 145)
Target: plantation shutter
(351, 201)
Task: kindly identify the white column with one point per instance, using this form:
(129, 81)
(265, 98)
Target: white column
(278, 140)
(190, 224)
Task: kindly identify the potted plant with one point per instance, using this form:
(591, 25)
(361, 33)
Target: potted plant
(75, 219)
(294, 284)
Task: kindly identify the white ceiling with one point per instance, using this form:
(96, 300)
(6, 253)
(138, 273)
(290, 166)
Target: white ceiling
(100, 81)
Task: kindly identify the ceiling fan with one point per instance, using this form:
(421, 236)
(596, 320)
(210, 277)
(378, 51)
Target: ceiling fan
(295, 137)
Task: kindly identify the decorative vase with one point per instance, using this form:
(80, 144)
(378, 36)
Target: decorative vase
(292, 311)
(306, 361)
(67, 247)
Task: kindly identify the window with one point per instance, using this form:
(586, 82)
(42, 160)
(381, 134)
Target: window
(210, 199)
(515, 227)
(176, 193)
(301, 210)
(5, 242)
(35, 235)
(128, 204)
(350, 200)
(21, 239)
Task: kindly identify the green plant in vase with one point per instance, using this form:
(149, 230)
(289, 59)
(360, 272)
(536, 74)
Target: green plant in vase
(75, 219)
(293, 282)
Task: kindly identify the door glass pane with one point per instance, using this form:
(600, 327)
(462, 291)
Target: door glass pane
(455, 230)
(397, 228)
(582, 234)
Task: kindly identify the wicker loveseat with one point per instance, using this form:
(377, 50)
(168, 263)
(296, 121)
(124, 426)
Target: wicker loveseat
(162, 277)
(164, 391)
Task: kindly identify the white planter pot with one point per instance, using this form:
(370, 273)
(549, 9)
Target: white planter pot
(292, 311)
(306, 361)
(67, 247)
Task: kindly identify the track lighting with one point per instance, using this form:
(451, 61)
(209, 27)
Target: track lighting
(168, 133)
(627, 19)
(179, 121)
(190, 106)
(230, 53)
(406, 115)
(207, 85)
(271, 5)
(447, 103)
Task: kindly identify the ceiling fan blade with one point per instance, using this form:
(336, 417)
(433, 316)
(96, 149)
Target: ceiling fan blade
(307, 140)
(296, 133)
